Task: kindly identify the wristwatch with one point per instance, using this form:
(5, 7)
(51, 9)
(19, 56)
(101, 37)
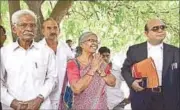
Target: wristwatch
(41, 96)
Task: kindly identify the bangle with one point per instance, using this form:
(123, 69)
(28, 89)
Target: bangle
(89, 74)
(104, 75)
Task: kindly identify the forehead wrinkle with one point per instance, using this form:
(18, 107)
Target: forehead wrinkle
(49, 23)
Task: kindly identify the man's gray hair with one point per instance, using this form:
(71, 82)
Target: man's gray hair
(16, 15)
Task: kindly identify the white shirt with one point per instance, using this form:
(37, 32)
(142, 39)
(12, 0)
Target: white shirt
(63, 54)
(115, 94)
(156, 52)
(27, 73)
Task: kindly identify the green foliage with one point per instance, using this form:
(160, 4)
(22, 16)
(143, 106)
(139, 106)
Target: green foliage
(23, 5)
(118, 24)
(5, 20)
(121, 23)
(47, 8)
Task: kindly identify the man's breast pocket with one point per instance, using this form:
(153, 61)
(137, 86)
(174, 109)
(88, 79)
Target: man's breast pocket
(39, 70)
(174, 73)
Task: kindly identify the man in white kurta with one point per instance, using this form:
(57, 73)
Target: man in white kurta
(115, 95)
(27, 68)
(51, 31)
(27, 73)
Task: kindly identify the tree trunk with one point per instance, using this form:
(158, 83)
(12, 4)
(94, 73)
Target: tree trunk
(13, 6)
(35, 6)
(61, 9)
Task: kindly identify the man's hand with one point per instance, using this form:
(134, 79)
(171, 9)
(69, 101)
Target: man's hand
(34, 104)
(135, 85)
(18, 105)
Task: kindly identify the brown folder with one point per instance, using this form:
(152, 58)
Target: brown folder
(146, 69)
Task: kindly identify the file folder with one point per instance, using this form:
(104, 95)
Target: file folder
(146, 69)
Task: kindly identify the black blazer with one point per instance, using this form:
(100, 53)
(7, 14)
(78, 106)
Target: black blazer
(170, 72)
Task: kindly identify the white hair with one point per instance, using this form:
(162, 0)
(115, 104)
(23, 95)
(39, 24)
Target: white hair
(16, 15)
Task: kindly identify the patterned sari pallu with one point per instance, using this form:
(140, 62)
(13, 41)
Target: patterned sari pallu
(93, 97)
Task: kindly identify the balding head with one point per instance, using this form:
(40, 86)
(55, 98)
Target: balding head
(155, 31)
(152, 22)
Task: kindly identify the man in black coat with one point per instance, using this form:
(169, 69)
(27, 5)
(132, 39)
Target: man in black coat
(166, 58)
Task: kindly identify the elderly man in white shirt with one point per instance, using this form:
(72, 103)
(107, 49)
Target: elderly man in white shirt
(27, 68)
(51, 30)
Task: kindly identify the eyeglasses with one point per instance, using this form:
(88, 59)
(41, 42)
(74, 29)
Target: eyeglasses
(24, 25)
(92, 41)
(156, 28)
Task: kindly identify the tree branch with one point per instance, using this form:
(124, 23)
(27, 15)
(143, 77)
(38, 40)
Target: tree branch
(35, 6)
(60, 10)
(84, 16)
(13, 7)
(94, 11)
(51, 5)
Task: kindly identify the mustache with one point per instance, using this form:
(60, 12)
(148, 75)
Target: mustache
(29, 33)
(53, 34)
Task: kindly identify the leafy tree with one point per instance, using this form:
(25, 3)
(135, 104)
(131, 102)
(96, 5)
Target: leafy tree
(58, 11)
(117, 23)
(121, 23)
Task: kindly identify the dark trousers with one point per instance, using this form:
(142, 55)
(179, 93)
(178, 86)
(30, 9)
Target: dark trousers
(146, 100)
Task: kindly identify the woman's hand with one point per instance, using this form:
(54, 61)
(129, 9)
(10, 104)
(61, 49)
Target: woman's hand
(96, 62)
(101, 72)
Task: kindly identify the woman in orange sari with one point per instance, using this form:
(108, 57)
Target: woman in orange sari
(88, 75)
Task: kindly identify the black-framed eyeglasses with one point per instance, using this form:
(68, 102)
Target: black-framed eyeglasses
(156, 28)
